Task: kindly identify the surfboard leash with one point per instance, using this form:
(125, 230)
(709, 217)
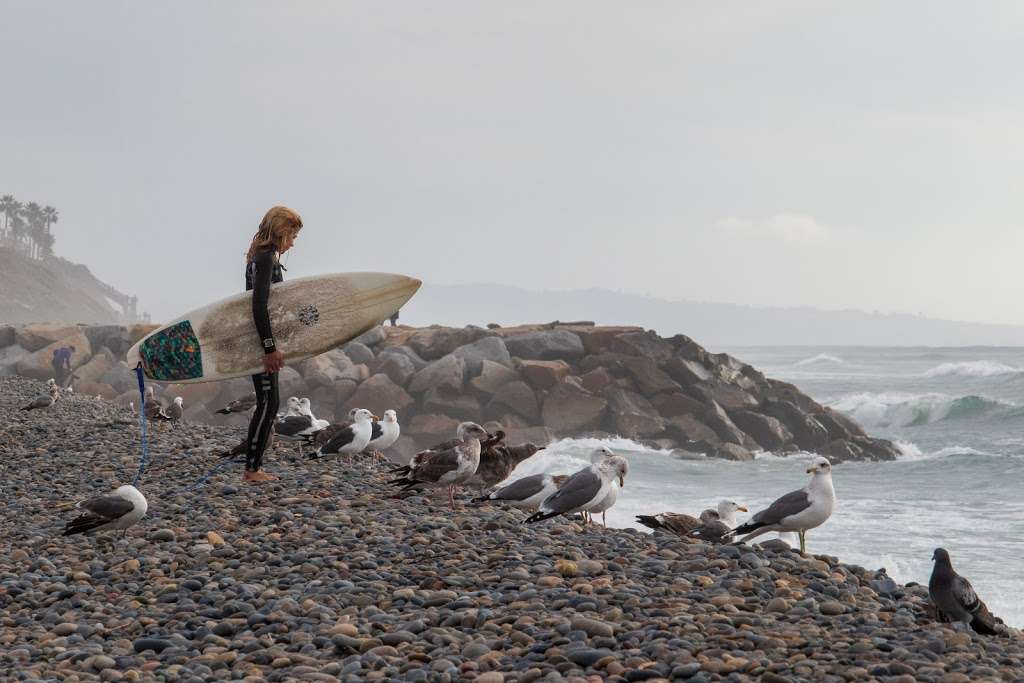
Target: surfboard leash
(142, 423)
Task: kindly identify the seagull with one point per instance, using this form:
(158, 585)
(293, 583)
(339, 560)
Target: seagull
(676, 522)
(718, 530)
(443, 466)
(599, 455)
(154, 407)
(294, 428)
(305, 408)
(176, 410)
(497, 460)
(604, 504)
(583, 490)
(797, 511)
(955, 600)
(41, 401)
(239, 405)
(350, 438)
(120, 509)
(385, 433)
(292, 410)
(526, 493)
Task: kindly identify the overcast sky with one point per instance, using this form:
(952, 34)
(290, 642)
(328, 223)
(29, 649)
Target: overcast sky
(861, 155)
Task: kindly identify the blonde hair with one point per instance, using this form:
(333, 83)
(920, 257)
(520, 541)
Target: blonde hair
(278, 224)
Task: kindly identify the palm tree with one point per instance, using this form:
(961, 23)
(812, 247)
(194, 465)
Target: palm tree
(34, 216)
(47, 248)
(7, 208)
(18, 229)
(50, 215)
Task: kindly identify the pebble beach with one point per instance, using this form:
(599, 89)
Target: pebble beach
(324, 575)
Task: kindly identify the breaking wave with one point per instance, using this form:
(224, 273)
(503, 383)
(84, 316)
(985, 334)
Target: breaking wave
(896, 409)
(973, 368)
(820, 359)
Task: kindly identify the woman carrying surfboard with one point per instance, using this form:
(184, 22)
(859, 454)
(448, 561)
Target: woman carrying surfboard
(276, 235)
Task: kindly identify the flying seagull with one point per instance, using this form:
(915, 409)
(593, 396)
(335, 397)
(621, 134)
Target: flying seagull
(583, 490)
(444, 466)
(240, 405)
(955, 600)
(120, 509)
(796, 511)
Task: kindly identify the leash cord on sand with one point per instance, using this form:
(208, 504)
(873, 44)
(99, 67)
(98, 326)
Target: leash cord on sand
(142, 423)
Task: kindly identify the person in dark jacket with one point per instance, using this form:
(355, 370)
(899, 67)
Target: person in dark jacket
(62, 365)
(275, 236)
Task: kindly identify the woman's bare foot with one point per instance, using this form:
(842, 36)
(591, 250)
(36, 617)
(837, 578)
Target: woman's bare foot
(258, 476)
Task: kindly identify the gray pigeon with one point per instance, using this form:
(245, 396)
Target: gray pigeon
(955, 600)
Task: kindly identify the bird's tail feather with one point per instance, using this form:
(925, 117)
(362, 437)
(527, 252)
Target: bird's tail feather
(539, 516)
(650, 521)
(745, 528)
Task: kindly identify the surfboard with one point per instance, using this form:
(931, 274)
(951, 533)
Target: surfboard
(308, 315)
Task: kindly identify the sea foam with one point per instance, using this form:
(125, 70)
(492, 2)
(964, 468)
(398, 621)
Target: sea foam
(973, 368)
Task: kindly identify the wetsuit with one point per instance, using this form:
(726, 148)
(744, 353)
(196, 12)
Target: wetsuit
(262, 270)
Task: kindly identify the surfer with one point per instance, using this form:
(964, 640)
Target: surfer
(276, 235)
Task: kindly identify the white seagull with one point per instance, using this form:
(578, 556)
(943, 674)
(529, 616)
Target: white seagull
(385, 433)
(584, 490)
(350, 438)
(117, 510)
(526, 493)
(797, 511)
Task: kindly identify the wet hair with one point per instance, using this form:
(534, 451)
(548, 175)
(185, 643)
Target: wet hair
(278, 224)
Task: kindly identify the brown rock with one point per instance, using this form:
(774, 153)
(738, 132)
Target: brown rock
(716, 418)
(767, 431)
(8, 337)
(324, 402)
(397, 367)
(96, 389)
(545, 345)
(599, 339)
(671, 404)
(631, 414)
(649, 378)
(784, 391)
(430, 429)
(95, 368)
(36, 336)
(690, 431)
(516, 396)
(402, 450)
(726, 395)
(447, 372)
(492, 377)
(378, 394)
(202, 393)
(290, 382)
(731, 451)
(435, 342)
(541, 436)
(686, 371)
(319, 371)
(343, 391)
(647, 344)
(39, 365)
(543, 374)
(450, 402)
(807, 432)
(596, 380)
(570, 408)
(137, 332)
(876, 449)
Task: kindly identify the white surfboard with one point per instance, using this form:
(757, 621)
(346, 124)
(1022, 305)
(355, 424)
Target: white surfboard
(308, 316)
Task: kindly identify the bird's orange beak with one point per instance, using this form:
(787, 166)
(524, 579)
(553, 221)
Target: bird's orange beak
(812, 470)
(742, 509)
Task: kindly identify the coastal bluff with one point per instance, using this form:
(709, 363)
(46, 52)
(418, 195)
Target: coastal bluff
(536, 382)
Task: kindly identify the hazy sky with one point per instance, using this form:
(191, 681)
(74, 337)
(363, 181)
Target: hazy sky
(842, 155)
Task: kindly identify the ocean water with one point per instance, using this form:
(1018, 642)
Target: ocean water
(958, 415)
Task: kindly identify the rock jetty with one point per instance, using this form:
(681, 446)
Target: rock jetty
(537, 382)
(323, 576)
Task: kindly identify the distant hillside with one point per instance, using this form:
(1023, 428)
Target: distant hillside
(56, 290)
(713, 323)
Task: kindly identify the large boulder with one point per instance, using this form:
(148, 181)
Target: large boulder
(89, 388)
(290, 383)
(726, 395)
(599, 339)
(406, 351)
(378, 394)
(372, 337)
(841, 420)
(569, 408)
(596, 380)
(429, 429)
(320, 371)
(8, 336)
(36, 336)
(488, 348)
(493, 376)
(516, 396)
(397, 367)
(631, 415)
(692, 433)
(543, 374)
(716, 418)
(784, 391)
(10, 356)
(140, 330)
(358, 353)
(355, 373)
(671, 404)
(447, 372)
(546, 345)
(343, 391)
(842, 450)
(323, 402)
(688, 349)
(99, 364)
(807, 432)
(766, 430)
(112, 337)
(876, 449)
(649, 378)
(199, 394)
(452, 403)
(731, 451)
(539, 436)
(39, 365)
(436, 342)
(647, 344)
(686, 371)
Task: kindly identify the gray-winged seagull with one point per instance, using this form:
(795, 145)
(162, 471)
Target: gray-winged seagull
(526, 493)
(350, 438)
(239, 405)
(718, 529)
(955, 600)
(442, 466)
(583, 490)
(120, 509)
(799, 510)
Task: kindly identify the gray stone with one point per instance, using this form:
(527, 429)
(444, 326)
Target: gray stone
(406, 351)
(569, 408)
(489, 348)
(631, 414)
(766, 430)
(516, 396)
(447, 372)
(545, 345)
(360, 354)
(399, 368)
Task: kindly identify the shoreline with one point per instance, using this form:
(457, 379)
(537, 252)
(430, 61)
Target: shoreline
(324, 576)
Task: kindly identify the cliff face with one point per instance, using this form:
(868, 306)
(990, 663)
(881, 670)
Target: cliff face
(56, 290)
(536, 382)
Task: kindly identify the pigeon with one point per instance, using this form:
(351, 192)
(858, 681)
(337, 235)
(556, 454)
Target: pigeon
(955, 600)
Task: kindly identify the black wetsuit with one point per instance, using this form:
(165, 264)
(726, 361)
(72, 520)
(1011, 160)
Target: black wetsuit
(260, 272)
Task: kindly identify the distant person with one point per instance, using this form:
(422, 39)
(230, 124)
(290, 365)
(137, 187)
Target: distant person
(276, 235)
(394, 319)
(62, 365)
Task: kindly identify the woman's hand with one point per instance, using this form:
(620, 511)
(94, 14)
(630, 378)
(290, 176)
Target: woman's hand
(272, 362)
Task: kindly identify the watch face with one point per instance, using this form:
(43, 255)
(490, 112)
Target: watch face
(309, 315)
